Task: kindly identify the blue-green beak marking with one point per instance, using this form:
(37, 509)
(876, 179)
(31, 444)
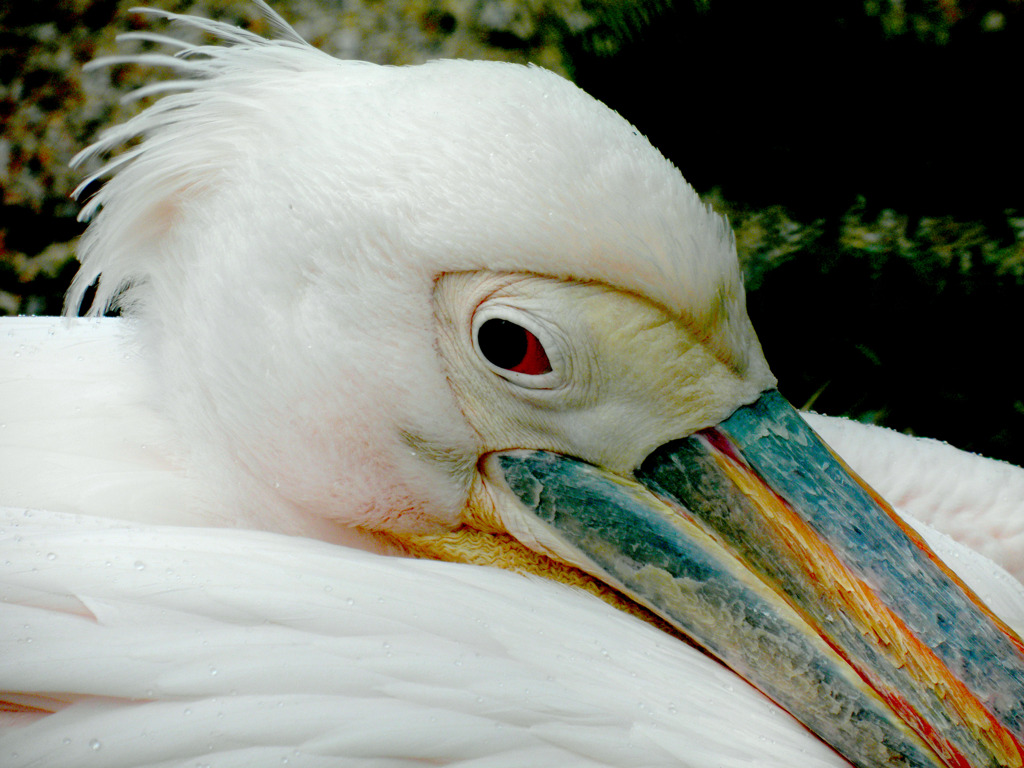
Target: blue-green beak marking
(755, 541)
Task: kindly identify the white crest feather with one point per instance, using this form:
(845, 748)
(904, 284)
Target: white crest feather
(584, 195)
(198, 63)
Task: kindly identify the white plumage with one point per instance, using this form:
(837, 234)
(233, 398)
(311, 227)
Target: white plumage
(351, 211)
(256, 648)
(284, 299)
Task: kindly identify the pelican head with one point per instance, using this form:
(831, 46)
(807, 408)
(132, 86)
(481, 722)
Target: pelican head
(465, 310)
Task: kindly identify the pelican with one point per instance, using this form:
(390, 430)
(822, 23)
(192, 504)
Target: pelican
(465, 312)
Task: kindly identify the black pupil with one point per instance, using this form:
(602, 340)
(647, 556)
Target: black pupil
(502, 343)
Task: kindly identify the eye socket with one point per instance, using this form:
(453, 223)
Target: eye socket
(511, 347)
(520, 347)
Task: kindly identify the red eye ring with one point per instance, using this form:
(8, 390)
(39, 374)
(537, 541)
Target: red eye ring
(511, 347)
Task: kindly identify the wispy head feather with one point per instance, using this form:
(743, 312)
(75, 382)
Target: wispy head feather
(447, 166)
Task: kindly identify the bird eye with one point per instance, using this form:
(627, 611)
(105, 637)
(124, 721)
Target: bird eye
(511, 347)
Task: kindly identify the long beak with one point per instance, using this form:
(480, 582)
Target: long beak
(752, 538)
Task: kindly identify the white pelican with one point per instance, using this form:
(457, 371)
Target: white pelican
(459, 310)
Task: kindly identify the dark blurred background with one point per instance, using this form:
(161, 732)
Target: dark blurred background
(865, 152)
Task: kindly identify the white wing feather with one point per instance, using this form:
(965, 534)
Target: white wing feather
(192, 645)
